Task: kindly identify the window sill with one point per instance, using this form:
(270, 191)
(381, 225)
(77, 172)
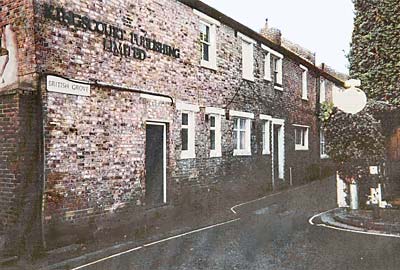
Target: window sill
(279, 88)
(301, 148)
(304, 98)
(266, 153)
(267, 79)
(248, 79)
(187, 155)
(215, 155)
(208, 65)
(324, 157)
(241, 153)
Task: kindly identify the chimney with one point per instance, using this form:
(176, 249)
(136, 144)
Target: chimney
(273, 34)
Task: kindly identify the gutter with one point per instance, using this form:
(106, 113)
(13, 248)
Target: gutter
(237, 26)
(111, 86)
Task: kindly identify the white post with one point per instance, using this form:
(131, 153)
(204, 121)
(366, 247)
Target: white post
(353, 196)
(340, 192)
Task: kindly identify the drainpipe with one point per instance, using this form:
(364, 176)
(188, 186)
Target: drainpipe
(112, 86)
(43, 161)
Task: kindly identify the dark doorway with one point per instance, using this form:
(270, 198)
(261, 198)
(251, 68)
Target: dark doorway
(393, 164)
(155, 164)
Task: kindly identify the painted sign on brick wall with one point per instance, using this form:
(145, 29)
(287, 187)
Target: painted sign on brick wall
(116, 40)
(60, 85)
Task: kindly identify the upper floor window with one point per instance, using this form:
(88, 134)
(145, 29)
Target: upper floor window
(273, 67)
(322, 91)
(208, 40)
(304, 83)
(301, 137)
(247, 58)
(241, 133)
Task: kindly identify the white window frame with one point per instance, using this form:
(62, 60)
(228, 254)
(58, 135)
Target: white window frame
(190, 109)
(247, 57)
(268, 76)
(306, 129)
(247, 117)
(212, 24)
(304, 83)
(266, 134)
(322, 90)
(217, 113)
(322, 144)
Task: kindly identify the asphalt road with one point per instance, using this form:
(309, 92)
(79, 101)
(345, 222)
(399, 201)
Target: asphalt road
(273, 233)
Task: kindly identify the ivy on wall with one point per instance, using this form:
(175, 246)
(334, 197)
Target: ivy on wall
(375, 49)
(354, 142)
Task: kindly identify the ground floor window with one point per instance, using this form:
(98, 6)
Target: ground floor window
(241, 136)
(187, 135)
(215, 135)
(266, 137)
(322, 144)
(301, 137)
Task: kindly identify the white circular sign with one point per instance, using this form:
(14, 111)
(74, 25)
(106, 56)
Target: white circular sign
(350, 100)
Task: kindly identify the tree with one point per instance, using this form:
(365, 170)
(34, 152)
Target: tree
(375, 49)
(354, 142)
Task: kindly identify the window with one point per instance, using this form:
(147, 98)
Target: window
(208, 40)
(241, 132)
(188, 135)
(322, 91)
(205, 41)
(187, 132)
(266, 137)
(301, 137)
(215, 135)
(273, 67)
(247, 58)
(277, 70)
(304, 83)
(322, 144)
(212, 132)
(208, 45)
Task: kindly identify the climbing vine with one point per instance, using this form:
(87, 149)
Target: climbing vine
(375, 49)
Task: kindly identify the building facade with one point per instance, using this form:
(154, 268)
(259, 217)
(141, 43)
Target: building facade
(118, 105)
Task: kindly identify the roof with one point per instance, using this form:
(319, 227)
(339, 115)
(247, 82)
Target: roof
(212, 12)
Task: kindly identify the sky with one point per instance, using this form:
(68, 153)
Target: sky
(322, 26)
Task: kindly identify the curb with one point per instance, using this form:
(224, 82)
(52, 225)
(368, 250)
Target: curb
(330, 220)
(365, 224)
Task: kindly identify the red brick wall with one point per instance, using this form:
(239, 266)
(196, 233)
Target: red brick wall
(20, 181)
(94, 156)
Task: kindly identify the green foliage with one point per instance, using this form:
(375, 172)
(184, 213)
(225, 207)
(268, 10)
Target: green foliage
(326, 111)
(375, 49)
(354, 142)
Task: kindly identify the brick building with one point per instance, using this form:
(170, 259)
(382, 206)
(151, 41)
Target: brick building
(119, 105)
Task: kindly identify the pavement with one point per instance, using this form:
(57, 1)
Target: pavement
(387, 224)
(271, 232)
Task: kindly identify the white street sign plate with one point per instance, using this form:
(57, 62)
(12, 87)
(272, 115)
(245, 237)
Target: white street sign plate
(60, 85)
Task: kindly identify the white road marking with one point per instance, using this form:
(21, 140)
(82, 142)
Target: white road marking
(270, 195)
(155, 243)
(349, 230)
